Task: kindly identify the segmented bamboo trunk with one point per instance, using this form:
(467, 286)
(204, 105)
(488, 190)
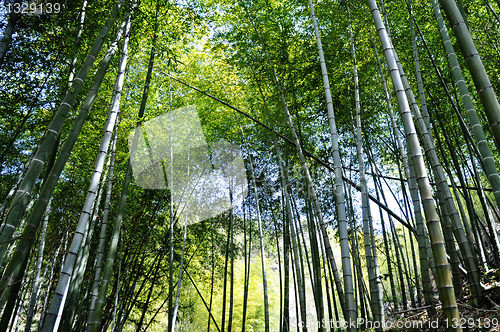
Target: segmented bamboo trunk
(286, 258)
(12, 271)
(78, 39)
(224, 289)
(444, 276)
(450, 244)
(118, 279)
(289, 227)
(7, 34)
(413, 189)
(51, 274)
(23, 194)
(110, 259)
(449, 205)
(423, 101)
(349, 307)
(102, 238)
(375, 294)
(310, 187)
(477, 129)
(476, 68)
(262, 253)
(73, 294)
(296, 255)
(247, 269)
(36, 283)
(422, 248)
(181, 269)
(92, 191)
(451, 177)
(449, 208)
(316, 264)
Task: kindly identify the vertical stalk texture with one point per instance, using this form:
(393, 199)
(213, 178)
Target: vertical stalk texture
(23, 193)
(454, 224)
(477, 129)
(475, 65)
(110, 259)
(91, 193)
(349, 308)
(445, 285)
(102, 238)
(36, 283)
(13, 269)
(365, 204)
(262, 253)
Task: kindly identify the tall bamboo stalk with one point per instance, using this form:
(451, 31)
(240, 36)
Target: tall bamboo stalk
(288, 219)
(407, 165)
(102, 237)
(92, 191)
(108, 267)
(365, 206)
(349, 308)
(78, 39)
(445, 285)
(454, 225)
(36, 283)
(23, 193)
(477, 129)
(262, 253)
(74, 293)
(12, 271)
(476, 68)
(118, 280)
(7, 34)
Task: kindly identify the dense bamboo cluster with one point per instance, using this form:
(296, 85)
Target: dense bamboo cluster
(365, 204)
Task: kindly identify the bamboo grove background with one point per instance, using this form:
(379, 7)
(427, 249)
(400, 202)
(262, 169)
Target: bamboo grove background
(370, 133)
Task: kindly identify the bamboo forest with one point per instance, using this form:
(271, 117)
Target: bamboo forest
(249, 165)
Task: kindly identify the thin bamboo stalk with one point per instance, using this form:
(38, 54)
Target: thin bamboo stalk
(23, 193)
(349, 309)
(475, 65)
(108, 267)
(36, 283)
(102, 237)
